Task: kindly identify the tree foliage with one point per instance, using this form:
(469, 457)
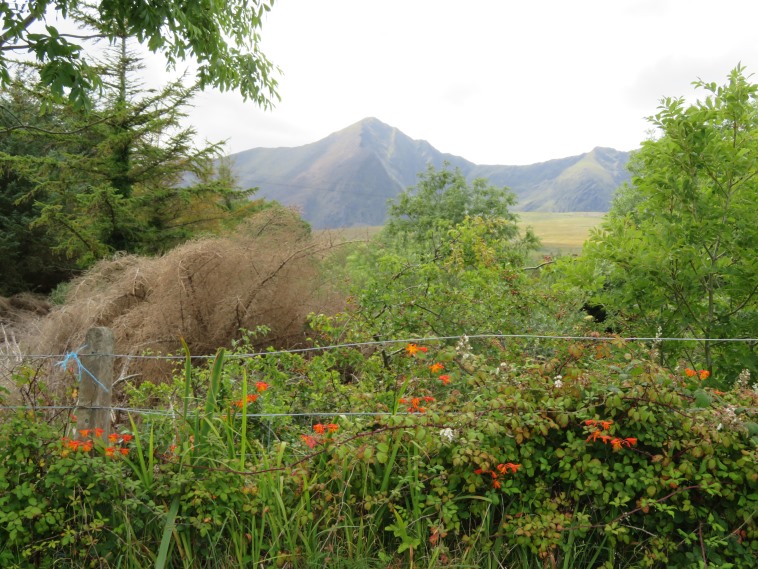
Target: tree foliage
(449, 261)
(679, 250)
(125, 176)
(442, 199)
(221, 36)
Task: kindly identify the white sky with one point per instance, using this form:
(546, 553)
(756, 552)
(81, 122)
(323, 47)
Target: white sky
(493, 81)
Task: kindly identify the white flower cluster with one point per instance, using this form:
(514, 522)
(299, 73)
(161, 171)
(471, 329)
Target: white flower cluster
(558, 383)
(447, 435)
(655, 351)
(743, 380)
(463, 348)
(729, 419)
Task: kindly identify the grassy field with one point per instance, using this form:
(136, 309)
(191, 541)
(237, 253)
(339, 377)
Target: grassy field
(560, 233)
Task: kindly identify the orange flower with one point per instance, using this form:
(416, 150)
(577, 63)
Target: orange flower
(411, 349)
(496, 483)
(99, 432)
(595, 436)
(261, 386)
(113, 437)
(124, 451)
(606, 425)
(332, 427)
(85, 432)
(445, 379)
(252, 398)
(126, 438)
(590, 422)
(319, 428)
(631, 441)
(436, 367)
(86, 447)
(704, 374)
(110, 452)
(310, 440)
(690, 372)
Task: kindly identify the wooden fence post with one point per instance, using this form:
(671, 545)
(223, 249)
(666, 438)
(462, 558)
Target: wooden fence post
(96, 381)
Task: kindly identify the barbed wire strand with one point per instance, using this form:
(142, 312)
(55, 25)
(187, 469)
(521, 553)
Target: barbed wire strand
(169, 413)
(403, 341)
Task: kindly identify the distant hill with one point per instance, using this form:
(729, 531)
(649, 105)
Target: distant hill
(345, 179)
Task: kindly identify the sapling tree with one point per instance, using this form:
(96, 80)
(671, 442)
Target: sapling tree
(679, 250)
(448, 262)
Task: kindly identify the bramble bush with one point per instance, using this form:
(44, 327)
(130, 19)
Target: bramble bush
(592, 457)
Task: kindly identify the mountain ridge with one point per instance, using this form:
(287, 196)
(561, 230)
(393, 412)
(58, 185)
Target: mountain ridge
(346, 178)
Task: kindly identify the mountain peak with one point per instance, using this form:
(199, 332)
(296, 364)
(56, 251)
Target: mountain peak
(346, 178)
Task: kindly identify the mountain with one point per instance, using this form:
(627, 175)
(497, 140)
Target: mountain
(346, 178)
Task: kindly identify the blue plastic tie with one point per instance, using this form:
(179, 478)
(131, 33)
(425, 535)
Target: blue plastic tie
(74, 357)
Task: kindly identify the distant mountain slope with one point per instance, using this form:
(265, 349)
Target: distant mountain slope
(346, 178)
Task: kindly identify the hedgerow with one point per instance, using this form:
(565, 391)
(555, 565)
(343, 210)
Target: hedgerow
(436, 455)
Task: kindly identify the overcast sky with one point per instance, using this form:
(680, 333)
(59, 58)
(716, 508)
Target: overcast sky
(493, 81)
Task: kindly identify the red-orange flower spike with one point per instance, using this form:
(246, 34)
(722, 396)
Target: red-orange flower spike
(261, 386)
(436, 367)
(411, 349)
(99, 432)
(85, 432)
(319, 428)
(123, 451)
(605, 425)
(332, 427)
(496, 483)
(252, 398)
(113, 437)
(631, 441)
(309, 440)
(445, 379)
(704, 374)
(126, 438)
(513, 467)
(590, 422)
(110, 452)
(595, 436)
(690, 372)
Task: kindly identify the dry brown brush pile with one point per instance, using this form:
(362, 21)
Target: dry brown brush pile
(205, 291)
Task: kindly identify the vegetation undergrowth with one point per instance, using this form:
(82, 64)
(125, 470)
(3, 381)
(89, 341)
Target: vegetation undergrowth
(595, 457)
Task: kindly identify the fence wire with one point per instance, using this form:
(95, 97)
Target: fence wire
(401, 341)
